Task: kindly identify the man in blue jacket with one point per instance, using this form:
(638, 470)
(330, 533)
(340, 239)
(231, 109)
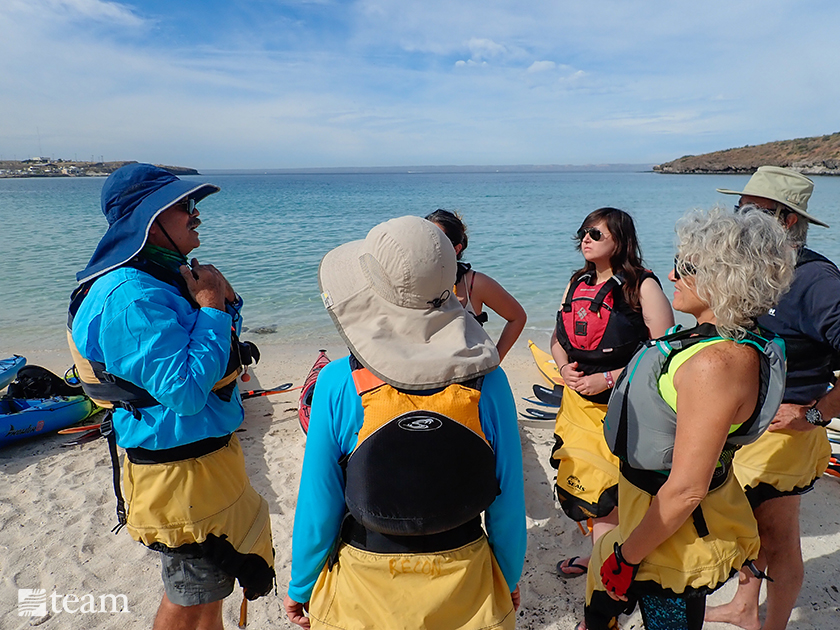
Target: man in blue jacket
(411, 439)
(155, 338)
(785, 462)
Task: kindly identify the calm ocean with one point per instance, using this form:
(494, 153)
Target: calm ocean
(267, 234)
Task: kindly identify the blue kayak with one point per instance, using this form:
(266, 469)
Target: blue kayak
(9, 369)
(25, 418)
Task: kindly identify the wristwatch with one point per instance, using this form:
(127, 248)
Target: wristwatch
(815, 417)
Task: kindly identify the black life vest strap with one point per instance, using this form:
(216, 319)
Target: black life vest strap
(461, 270)
(358, 536)
(120, 392)
(481, 318)
(107, 429)
(144, 456)
(598, 301)
(614, 282)
(567, 303)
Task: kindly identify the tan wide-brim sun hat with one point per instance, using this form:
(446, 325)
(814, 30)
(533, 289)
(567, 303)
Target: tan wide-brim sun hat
(783, 185)
(390, 297)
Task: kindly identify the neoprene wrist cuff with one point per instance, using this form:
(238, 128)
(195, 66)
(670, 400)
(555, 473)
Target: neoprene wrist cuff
(620, 556)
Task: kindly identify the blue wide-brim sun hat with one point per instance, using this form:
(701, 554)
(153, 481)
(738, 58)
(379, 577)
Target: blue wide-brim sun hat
(132, 198)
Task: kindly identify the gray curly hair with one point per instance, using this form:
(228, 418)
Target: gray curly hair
(741, 263)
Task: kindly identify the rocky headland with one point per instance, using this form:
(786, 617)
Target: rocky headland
(45, 167)
(819, 155)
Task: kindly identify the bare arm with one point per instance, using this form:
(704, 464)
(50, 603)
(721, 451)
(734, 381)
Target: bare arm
(829, 405)
(703, 424)
(488, 292)
(791, 416)
(556, 350)
(656, 309)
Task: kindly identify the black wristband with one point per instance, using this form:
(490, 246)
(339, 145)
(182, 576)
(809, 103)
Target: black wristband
(620, 557)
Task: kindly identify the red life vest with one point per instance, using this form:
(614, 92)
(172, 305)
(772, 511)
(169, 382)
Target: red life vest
(597, 327)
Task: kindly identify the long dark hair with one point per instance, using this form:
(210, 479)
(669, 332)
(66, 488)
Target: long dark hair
(453, 226)
(627, 259)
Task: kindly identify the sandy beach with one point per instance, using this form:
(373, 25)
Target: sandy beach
(57, 510)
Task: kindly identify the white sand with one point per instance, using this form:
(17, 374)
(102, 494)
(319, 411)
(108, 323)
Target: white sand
(57, 509)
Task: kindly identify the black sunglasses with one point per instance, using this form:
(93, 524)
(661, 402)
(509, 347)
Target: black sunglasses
(688, 268)
(188, 206)
(594, 233)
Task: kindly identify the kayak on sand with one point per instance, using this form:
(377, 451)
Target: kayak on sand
(9, 369)
(546, 365)
(22, 418)
(305, 405)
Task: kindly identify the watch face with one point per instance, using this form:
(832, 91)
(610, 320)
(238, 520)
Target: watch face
(814, 416)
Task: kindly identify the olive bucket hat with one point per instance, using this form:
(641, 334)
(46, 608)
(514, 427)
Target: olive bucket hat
(132, 198)
(782, 185)
(390, 297)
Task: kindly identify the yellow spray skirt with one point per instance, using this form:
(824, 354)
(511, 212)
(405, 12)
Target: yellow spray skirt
(463, 588)
(182, 502)
(685, 562)
(587, 472)
(788, 461)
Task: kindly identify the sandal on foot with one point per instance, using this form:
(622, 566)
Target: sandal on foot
(577, 569)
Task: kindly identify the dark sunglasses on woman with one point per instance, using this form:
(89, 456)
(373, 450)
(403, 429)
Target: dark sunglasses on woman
(594, 233)
(689, 269)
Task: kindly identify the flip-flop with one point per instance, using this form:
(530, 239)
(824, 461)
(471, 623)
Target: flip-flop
(571, 564)
(613, 625)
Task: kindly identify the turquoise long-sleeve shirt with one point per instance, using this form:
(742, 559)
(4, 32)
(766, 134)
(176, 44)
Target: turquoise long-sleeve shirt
(334, 423)
(145, 332)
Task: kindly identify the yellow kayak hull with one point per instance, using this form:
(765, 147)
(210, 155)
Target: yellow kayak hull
(546, 365)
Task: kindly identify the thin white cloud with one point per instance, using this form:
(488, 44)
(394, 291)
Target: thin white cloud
(542, 66)
(572, 78)
(481, 49)
(96, 10)
(469, 62)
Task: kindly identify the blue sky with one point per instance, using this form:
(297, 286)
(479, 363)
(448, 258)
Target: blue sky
(320, 83)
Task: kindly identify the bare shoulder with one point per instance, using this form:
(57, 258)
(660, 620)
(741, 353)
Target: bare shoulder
(650, 285)
(482, 284)
(723, 361)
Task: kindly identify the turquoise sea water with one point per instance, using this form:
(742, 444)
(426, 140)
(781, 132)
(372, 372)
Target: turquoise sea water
(267, 234)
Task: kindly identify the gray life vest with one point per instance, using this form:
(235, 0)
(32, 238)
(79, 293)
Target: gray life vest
(640, 427)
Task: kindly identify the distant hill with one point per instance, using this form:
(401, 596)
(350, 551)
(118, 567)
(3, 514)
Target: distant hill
(45, 167)
(819, 155)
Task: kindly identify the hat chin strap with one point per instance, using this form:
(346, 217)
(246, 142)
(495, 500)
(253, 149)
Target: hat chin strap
(169, 238)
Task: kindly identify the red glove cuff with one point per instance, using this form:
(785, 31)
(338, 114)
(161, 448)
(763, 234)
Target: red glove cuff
(617, 574)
